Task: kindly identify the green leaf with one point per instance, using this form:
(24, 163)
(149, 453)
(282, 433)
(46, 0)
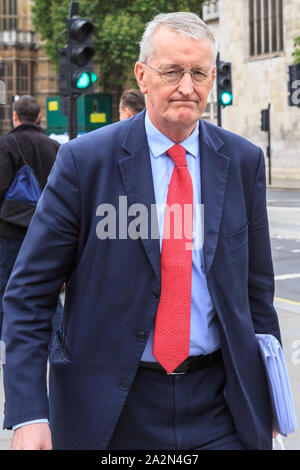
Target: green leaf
(296, 53)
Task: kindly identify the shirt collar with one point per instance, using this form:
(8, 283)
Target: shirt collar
(160, 143)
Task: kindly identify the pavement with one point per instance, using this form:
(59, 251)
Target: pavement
(284, 213)
(282, 184)
(284, 222)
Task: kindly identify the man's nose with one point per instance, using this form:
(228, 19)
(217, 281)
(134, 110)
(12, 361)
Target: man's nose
(186, 86)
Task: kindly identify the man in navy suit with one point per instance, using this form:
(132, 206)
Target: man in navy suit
(115, 382)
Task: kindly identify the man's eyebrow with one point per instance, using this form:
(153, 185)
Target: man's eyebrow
(171, 66)
(179, 66)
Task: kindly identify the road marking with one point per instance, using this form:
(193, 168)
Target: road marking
(280, 201)
(285, 236)
(287, 276)
(287, 301)
(296, 251)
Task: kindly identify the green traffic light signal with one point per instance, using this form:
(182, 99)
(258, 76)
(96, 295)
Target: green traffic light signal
(226, 98)
(224, 83)
(80, 53)
(93, 77)
(85, 80)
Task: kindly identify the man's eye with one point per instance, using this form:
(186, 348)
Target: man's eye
(171, 73)
(199, 73)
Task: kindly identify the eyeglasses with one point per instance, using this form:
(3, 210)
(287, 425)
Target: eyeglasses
(174, 76)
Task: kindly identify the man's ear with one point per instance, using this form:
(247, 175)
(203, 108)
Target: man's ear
(16, 120)
(139, 71)
(38, 119)
(124, 113)
(214, 72)
(127, 112)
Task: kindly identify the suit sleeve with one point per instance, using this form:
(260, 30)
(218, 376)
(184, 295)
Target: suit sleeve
(261, 275)
(44, 263)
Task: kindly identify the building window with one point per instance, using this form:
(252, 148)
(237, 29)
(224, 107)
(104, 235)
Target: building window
(2, 113)
(22, 78)
(2, 69)
(17, 78)
(7, 74)
(9, 15)
(9, 77)
(265, 26)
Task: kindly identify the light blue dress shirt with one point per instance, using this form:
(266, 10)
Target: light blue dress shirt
(204, 336)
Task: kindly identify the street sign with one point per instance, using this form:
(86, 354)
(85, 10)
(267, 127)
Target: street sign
(94, 111)
(294, 85)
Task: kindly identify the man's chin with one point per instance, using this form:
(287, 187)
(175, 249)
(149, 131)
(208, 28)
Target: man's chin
(186, 117)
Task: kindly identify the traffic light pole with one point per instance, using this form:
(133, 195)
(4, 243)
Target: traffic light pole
(269, 144)
(72, 101)
(72, 117)
(219, 107)
(76, 73)
(219, 115)
(266, 127)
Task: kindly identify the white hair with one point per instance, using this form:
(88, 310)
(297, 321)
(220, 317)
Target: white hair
(185, 23)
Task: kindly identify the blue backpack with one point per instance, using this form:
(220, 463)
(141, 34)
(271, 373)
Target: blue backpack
(22, 196)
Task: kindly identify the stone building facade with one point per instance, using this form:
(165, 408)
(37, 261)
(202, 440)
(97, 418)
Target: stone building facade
(257, 37)
(24, 66)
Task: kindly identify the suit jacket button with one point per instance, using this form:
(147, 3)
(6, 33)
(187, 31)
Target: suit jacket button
(155, 293)
(141, 336)
(124, 385)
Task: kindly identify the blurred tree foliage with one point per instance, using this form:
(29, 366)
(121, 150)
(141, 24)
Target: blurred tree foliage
(296, 53)
(119, 25)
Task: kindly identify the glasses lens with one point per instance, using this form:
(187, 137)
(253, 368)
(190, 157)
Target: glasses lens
(172, 76)
(199, 77)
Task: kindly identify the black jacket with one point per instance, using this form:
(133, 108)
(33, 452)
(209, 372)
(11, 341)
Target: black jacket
(40, 153)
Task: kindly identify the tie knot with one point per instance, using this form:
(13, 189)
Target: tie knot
(177, 153)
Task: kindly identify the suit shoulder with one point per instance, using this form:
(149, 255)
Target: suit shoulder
(100, 140)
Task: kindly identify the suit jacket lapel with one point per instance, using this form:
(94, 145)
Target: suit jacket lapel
(214, 173)
(137, 177)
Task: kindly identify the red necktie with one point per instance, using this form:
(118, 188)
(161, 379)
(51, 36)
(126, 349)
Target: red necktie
(172, 325)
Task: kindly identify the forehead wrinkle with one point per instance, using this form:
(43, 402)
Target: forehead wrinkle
(190, 66)
(169, 57)
(171, 48)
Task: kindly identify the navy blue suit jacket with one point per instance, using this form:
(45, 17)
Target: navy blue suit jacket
(113, 286)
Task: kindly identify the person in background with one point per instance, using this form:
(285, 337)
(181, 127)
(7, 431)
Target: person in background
(39, 151)
(132, 102)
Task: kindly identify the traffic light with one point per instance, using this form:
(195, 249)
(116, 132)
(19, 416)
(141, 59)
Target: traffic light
(80, 53)
(265, 120)
(64, 78)
(76, 67)
(294, 85)
(224, 83)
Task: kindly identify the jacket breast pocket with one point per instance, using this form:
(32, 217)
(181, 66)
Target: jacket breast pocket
(60, 353)
(238, 238)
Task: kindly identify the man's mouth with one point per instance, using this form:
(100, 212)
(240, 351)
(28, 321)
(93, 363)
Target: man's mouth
(184, 102)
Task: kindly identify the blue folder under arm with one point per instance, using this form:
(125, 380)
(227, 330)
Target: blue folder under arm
(284, 417)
